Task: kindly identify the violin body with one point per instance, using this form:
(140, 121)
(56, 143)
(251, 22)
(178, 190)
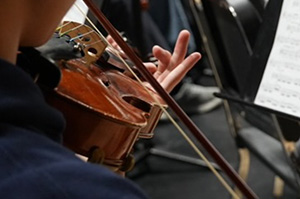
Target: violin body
(106, 111)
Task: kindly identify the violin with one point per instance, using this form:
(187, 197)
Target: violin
(85, 70)
(106, 111)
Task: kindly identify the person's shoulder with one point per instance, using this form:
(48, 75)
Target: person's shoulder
(23, 103)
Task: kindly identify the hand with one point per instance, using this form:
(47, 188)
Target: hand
(173, 67)
(114, 44)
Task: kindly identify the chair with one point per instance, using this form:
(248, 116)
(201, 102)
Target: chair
(238, 52)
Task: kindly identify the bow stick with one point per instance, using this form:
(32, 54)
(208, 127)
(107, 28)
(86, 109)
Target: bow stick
(224, 165)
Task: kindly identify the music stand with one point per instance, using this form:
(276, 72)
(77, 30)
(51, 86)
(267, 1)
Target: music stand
(256, 140)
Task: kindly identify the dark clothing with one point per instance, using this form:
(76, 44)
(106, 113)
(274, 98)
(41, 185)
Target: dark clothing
(138, 25)
(33, 164)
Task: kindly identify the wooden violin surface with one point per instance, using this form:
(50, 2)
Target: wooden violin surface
(104, 108)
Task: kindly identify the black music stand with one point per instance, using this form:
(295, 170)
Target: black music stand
(254, 139)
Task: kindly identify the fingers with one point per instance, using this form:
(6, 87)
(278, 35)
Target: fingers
(114, 44)
(161, 55)
(175, 76)
(181, 47)
(151, 67)
(171, 67)
(167, 61)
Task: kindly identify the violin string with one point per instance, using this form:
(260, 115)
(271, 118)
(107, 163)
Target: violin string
(81, 35)
(91, 23)
(92, 43)
(72, 29)
(77, 37)
(177, 126)
(63, 25)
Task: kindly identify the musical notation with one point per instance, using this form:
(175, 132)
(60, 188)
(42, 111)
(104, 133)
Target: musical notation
(280, 86)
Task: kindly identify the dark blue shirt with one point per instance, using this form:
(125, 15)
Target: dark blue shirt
(33, 164)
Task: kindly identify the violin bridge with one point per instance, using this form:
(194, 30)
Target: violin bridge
(85, 39)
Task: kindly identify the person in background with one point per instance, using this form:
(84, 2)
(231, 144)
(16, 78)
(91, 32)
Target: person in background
(33, 163)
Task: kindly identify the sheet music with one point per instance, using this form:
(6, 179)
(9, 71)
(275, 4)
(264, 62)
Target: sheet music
(280, 85)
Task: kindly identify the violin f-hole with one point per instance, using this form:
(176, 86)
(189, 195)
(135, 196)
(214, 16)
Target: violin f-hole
(92, 52)
(138, 103)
